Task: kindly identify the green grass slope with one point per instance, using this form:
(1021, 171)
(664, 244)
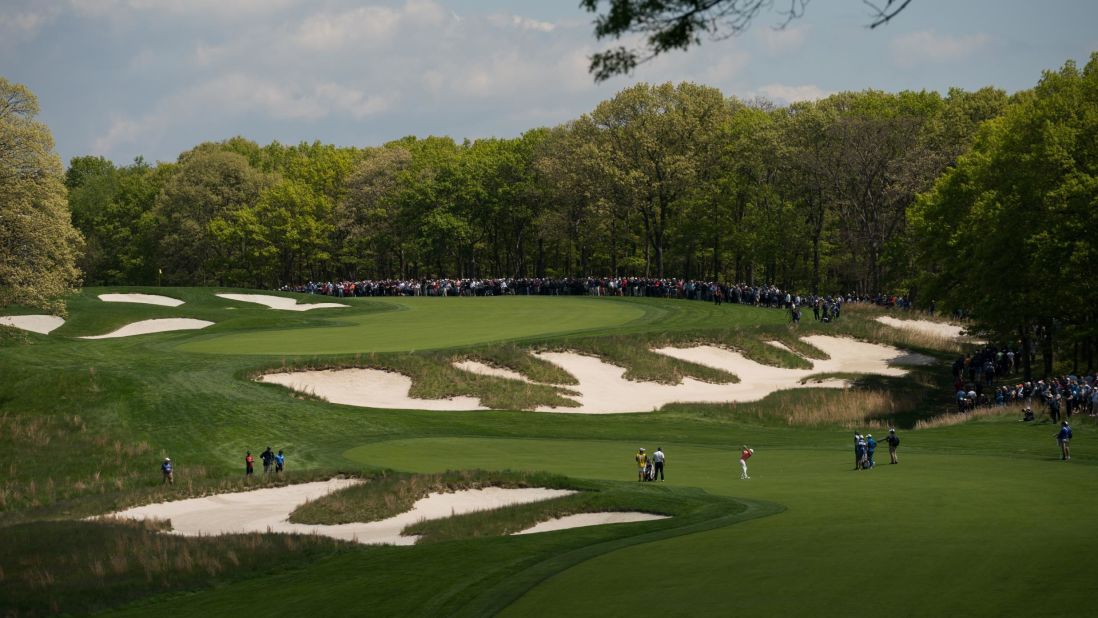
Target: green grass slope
(979, 518)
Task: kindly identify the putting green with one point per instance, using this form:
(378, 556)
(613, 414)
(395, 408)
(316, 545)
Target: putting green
(965, 526)
(429, 323)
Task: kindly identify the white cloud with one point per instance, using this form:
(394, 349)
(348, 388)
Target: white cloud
(19, 24)
(196, 8)
(240, 95)
(783, 94)
(722, 72)
(786, 40)
(326, 31)
(370, 26)
(917, 48)
(520, 22)
(366, 73)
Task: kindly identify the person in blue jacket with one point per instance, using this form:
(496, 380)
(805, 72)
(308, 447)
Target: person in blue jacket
(1064, 439)
(167, 471)
(870, 446)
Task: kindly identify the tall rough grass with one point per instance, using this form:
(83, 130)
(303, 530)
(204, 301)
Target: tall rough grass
(950, 419)
(519, 359)
(849, 408)
(867, 327)
(82, 567)
(641, 363)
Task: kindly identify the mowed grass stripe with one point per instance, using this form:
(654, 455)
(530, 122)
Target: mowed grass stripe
(965, 526)
(430, 323)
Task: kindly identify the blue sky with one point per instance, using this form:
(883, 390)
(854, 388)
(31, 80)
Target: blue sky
(123, 78)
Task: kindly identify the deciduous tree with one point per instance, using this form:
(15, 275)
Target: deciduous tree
(38, 244)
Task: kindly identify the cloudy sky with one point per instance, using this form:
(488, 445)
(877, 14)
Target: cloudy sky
(123, 78)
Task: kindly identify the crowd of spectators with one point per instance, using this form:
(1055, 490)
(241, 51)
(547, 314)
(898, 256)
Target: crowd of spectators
(709, 291)
(985, 379)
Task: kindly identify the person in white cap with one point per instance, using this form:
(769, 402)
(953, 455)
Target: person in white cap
(166, 468)
(745, 454)
(642, 462)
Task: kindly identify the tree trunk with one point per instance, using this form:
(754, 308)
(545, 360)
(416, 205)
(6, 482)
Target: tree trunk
(1046, 350)
(1027, 348)
(539, 268)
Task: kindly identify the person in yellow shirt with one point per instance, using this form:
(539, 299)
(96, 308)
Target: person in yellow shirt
(642, 462)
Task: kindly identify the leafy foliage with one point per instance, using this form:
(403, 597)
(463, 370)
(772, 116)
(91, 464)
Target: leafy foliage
(38, 244)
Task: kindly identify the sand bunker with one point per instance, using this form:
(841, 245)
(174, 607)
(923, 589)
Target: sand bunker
(939, 329)
(483, 369)
(589, 519)
(161, 325)
(278, 302)
(268, 510)
(604, 390)
(145, 299)
(371, 388)
(602, 387)
(41, 324)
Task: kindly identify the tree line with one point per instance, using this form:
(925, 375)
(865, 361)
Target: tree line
(660, 180)
(974, 199)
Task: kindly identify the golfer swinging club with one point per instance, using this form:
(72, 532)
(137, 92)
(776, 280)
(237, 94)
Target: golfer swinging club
(744, 456)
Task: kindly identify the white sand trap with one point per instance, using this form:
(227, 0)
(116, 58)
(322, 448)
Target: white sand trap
(278, 302)
(602, 387)
(940, 329)
(145, 299)
(780, 346)
(268, 510)
(41, 324)
(160, 325)
(604, 390)
(852, 356)
(483, 369)
(582, 520)
(369, 388)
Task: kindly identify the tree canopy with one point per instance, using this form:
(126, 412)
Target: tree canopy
(978, 200)
(38, 244)
(1008, 233)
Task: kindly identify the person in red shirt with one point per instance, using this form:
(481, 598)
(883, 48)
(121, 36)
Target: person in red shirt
(744, 456)
(249, 464)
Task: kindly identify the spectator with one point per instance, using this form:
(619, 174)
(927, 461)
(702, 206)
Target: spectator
(167, 471)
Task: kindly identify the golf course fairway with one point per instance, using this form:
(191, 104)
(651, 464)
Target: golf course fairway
(961, 525)
(423, 323)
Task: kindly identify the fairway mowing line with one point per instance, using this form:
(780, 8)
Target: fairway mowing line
(159, 325)
(268, 510)
(41, 324)
(938, 329)
(582, 520)
(278, 302)
(369, 388)
(144, 299)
